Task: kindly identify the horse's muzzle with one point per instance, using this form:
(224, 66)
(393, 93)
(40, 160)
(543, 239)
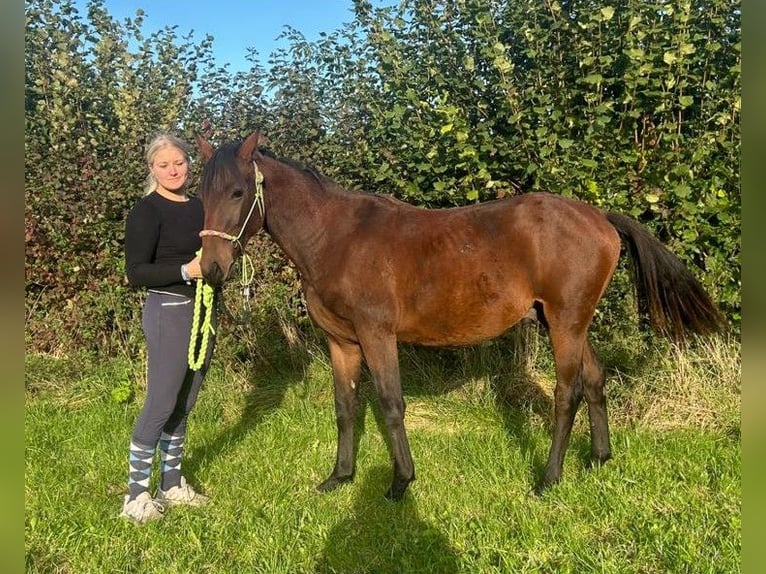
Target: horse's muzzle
(213, 274)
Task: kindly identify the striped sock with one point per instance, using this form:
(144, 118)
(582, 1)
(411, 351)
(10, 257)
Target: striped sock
(171, 452)
(140, 468)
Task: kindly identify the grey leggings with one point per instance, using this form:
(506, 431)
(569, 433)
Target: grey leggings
(172, 387)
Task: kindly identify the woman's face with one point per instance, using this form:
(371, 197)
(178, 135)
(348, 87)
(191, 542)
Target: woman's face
(170, 168)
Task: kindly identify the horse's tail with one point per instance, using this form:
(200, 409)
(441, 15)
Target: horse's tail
(675, 302)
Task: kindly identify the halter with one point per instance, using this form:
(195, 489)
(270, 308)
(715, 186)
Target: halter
(247, 264)
(257, 200)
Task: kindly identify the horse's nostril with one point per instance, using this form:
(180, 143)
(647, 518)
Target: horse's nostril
(213, 274)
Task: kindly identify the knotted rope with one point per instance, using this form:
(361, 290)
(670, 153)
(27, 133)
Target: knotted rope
(204, 298)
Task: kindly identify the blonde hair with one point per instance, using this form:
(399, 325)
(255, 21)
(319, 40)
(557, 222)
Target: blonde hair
(159, 142)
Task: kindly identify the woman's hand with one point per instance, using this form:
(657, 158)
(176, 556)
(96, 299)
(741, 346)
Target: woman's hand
(193, 268)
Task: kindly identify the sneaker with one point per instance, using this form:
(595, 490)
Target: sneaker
(142, 509)
(183, 494)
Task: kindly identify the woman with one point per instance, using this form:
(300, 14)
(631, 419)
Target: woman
(161, 245)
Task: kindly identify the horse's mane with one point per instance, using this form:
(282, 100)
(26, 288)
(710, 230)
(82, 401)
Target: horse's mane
(329, 184)
(320, 178)
(225, 158)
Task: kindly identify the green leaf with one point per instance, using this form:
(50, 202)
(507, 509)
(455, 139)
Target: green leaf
(607, 12)
(593, 79)
(589, 163)
(686, 101)
(652, 197)
(503, 64)
(669, 57)
(686, 49)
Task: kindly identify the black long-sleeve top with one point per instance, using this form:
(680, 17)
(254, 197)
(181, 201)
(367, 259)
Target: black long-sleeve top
(160, 236)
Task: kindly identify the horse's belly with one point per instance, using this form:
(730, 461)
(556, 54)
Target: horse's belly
(459, 327)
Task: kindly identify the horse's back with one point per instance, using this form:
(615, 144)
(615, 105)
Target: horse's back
(528, 234)
(463, 275)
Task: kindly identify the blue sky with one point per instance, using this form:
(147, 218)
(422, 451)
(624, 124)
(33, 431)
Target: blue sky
(237, 24)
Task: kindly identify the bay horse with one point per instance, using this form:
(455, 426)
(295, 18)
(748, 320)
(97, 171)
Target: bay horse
(375, 271)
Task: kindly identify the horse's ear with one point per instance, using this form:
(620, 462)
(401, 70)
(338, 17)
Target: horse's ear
(251, 145)
(204, 147)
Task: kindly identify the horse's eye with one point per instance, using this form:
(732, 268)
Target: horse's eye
(237, 193)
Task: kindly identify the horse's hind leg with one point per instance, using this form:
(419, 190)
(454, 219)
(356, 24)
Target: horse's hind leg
(593, 388)
(568, 353)
(346, 367)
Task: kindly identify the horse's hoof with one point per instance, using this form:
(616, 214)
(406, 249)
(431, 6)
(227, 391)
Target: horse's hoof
(394, 495)
(540, 488)
(544, 484)
(396, 492)
(334, 482)
(598, 460)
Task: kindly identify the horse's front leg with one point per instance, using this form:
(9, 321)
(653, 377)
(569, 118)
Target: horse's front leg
(382, 358)
(346, 367)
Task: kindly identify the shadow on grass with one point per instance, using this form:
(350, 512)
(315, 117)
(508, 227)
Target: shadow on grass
(382, 536)
(275, 371)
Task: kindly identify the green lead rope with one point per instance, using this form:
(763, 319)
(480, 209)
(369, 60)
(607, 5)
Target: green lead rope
(201, 323)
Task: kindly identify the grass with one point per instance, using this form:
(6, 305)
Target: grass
(261, 438)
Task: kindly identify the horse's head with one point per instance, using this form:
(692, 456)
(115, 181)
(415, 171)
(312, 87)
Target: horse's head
(233, 210)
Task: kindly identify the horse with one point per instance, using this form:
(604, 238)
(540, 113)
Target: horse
(376, 271)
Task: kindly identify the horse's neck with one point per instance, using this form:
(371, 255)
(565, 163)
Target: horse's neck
(295, 203)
